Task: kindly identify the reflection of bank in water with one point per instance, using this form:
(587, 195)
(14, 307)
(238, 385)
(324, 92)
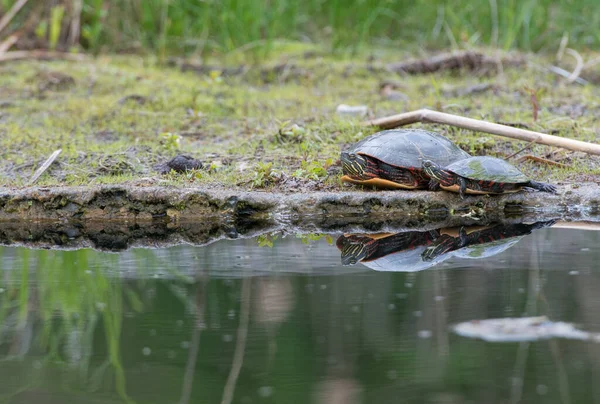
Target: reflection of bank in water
(415, 251)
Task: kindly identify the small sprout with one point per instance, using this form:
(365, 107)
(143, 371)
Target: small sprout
(312, 170)
(170, 141)
(264, 175)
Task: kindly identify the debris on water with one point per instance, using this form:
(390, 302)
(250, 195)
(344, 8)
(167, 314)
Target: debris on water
(358, 110)
(521, 329)
(180, 163)
(424, 334)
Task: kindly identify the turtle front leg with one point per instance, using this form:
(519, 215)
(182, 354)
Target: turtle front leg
(463, 237)
(462, 183)
(434, 185)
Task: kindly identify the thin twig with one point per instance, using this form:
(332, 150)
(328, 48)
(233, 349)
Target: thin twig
(4, 21)
(429, 116)
(527, 146)
(562, 72)
(577, 71)
(44, 166)
(240, 345)
(40, 55)
(8, 43)
(542, 160)
(563, 45)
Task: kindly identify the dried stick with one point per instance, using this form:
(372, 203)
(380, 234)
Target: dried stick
(40, 55)
(577, 71)
(541, 160)
(44, 166)
(429, 116)
(4, 21)
(8, 43)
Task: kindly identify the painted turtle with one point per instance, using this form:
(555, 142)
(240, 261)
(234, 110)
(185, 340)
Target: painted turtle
(387, 251)
(480, 175)
(480, 241)
(394, 158)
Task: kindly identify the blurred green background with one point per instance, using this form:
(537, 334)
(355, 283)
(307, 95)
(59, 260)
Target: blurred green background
(209, 27)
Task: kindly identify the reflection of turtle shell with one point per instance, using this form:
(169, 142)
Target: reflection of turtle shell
(487, 249)
(404, 261)
(480, 242)
(386, 251)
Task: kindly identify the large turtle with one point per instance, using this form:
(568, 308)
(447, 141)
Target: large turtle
(387, 251)
(480, 175)
(394, 158)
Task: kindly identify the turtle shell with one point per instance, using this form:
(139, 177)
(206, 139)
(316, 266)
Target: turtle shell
(409, 147)
(484, 168)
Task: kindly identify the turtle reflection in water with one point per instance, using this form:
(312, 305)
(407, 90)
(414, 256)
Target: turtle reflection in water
(386, 251)
(480, 241)
(415, 251)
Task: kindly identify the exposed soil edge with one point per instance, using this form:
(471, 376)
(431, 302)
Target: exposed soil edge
(120, 217)
(147, 203)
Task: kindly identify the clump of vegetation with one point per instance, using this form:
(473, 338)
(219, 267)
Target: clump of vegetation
(267, 239)
(290, 133)
(170, 141)
(264, 175)
(258, 27)
(313, 170)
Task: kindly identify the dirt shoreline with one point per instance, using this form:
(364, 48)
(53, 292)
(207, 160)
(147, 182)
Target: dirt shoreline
(117, 217)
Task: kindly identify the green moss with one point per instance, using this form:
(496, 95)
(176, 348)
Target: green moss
(112, 122)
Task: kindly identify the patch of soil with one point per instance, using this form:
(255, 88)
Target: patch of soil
(53, 81)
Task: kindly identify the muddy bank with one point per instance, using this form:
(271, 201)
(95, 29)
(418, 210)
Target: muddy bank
(118, 217)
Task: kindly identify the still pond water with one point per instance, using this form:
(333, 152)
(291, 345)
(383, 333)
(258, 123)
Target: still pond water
(280, 320)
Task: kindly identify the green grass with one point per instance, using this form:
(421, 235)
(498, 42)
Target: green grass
(256, 132)
(257, 27)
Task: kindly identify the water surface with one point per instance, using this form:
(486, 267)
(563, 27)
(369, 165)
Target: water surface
(279, 319)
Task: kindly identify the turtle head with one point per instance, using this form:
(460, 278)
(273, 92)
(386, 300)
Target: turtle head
(433, 170)
(441, 246)
(353, 249)
(354, 165)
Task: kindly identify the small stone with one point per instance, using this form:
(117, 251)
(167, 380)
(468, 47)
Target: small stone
(348, 110)
(146, 351)
(181, 163)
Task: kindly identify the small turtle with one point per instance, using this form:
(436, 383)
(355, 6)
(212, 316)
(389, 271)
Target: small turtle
(480, 175)
(393, 158)
(480, 241)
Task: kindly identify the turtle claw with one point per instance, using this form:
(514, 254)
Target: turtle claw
(434, 185)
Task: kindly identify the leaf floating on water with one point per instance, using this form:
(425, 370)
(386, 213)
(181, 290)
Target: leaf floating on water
(521, 329)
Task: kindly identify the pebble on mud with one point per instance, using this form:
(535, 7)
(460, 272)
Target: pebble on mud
(348, 110)
(180, 164)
